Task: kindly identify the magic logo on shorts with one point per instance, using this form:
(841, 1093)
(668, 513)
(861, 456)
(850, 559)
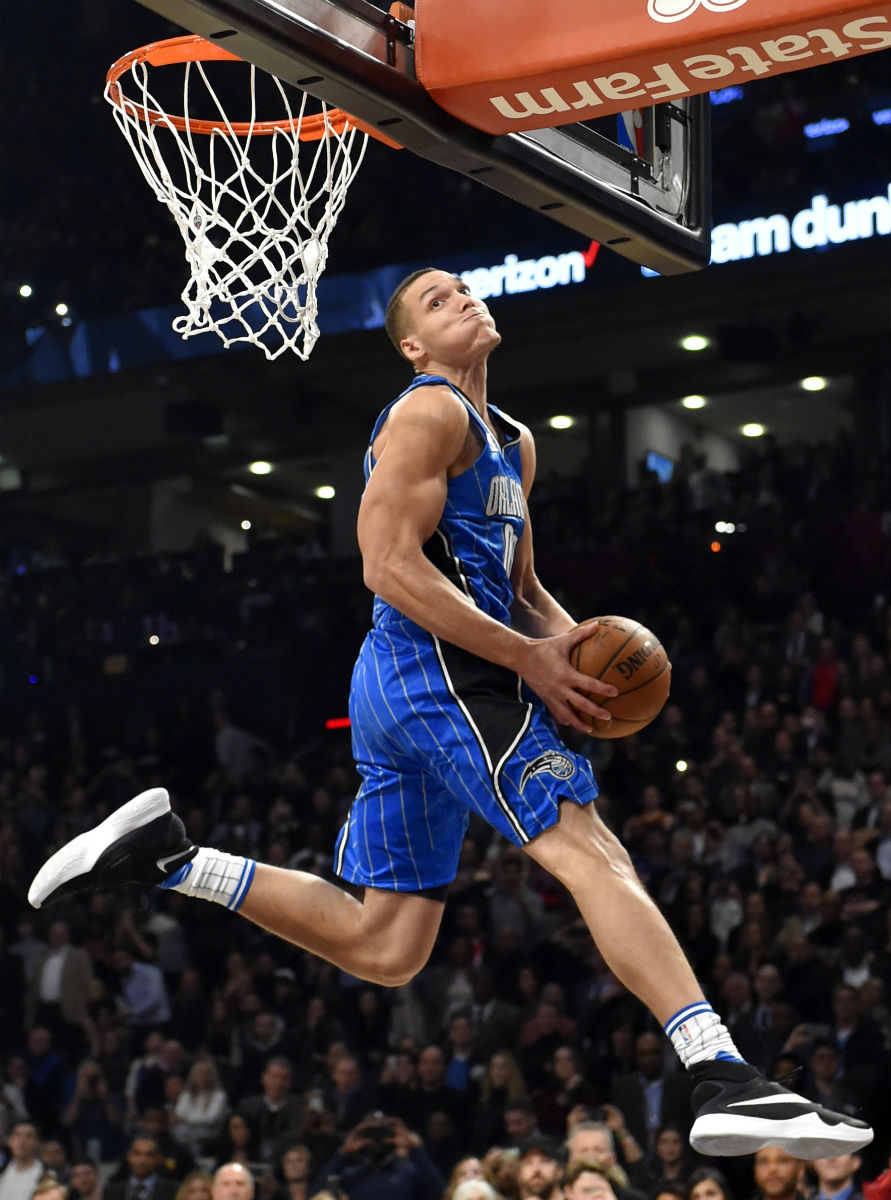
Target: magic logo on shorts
(549, 763)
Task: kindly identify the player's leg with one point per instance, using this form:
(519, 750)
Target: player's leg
(385, 938)
(737, 1110)
(541, 796)
(401, 841)
(630, 931)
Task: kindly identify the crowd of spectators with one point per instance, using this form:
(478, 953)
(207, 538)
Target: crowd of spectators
(154, 1037)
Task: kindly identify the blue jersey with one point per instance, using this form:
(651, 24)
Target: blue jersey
(483, 518)
(438, 732)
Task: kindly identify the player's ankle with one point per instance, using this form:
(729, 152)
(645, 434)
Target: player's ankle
(216, 876)
(698, 1035)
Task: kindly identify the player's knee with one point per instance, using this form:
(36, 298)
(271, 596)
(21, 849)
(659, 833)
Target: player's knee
(393, 967)
(396, 937)
(395, 977)
(600, 850)
(612, 848)
(615, 856)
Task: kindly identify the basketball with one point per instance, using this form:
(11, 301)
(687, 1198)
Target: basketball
(627, 655)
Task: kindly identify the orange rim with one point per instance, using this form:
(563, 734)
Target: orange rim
(192, 48)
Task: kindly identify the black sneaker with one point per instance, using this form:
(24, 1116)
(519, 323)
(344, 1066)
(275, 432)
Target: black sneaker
(738, 1111)
(141, 842)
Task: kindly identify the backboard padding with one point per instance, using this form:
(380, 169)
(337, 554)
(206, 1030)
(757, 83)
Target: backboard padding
(359, 58)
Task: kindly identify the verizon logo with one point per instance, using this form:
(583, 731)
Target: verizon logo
(696, 73)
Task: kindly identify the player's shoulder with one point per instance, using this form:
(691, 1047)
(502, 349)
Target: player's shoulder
(434, 400)
(427, 422)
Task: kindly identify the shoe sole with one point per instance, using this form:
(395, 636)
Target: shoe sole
(805, 1136)
(79, 856)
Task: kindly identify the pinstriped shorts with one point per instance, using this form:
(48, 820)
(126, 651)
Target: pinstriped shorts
(437, 734)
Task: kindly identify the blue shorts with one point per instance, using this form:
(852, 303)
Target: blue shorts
(437, 734)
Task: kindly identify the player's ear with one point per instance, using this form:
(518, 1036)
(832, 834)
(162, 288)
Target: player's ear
(411, 349)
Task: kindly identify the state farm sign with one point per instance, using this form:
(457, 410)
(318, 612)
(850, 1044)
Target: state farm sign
(509, 65)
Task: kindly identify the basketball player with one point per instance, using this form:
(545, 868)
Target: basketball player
(455, 700)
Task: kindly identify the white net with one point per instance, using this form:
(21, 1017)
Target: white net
(255, 209)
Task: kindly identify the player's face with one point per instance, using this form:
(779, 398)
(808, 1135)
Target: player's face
(444, 323)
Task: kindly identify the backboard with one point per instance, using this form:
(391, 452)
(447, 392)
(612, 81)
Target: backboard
(650, 204)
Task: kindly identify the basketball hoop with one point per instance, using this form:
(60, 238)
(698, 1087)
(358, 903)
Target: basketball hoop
(254, 218)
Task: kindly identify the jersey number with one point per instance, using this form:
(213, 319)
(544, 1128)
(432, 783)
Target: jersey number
(510, 548)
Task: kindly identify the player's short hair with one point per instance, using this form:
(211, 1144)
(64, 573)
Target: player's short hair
(394, 322)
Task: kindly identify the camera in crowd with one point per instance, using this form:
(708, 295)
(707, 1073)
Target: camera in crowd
(379, 1132)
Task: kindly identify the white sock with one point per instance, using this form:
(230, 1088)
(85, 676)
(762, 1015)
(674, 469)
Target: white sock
(699, 1035)
(216, 876)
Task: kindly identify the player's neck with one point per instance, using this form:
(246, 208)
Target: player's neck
(471, 380)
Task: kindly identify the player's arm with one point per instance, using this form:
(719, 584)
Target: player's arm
(426, 435)
(535, 611)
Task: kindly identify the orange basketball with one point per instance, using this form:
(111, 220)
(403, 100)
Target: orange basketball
(622, 652)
